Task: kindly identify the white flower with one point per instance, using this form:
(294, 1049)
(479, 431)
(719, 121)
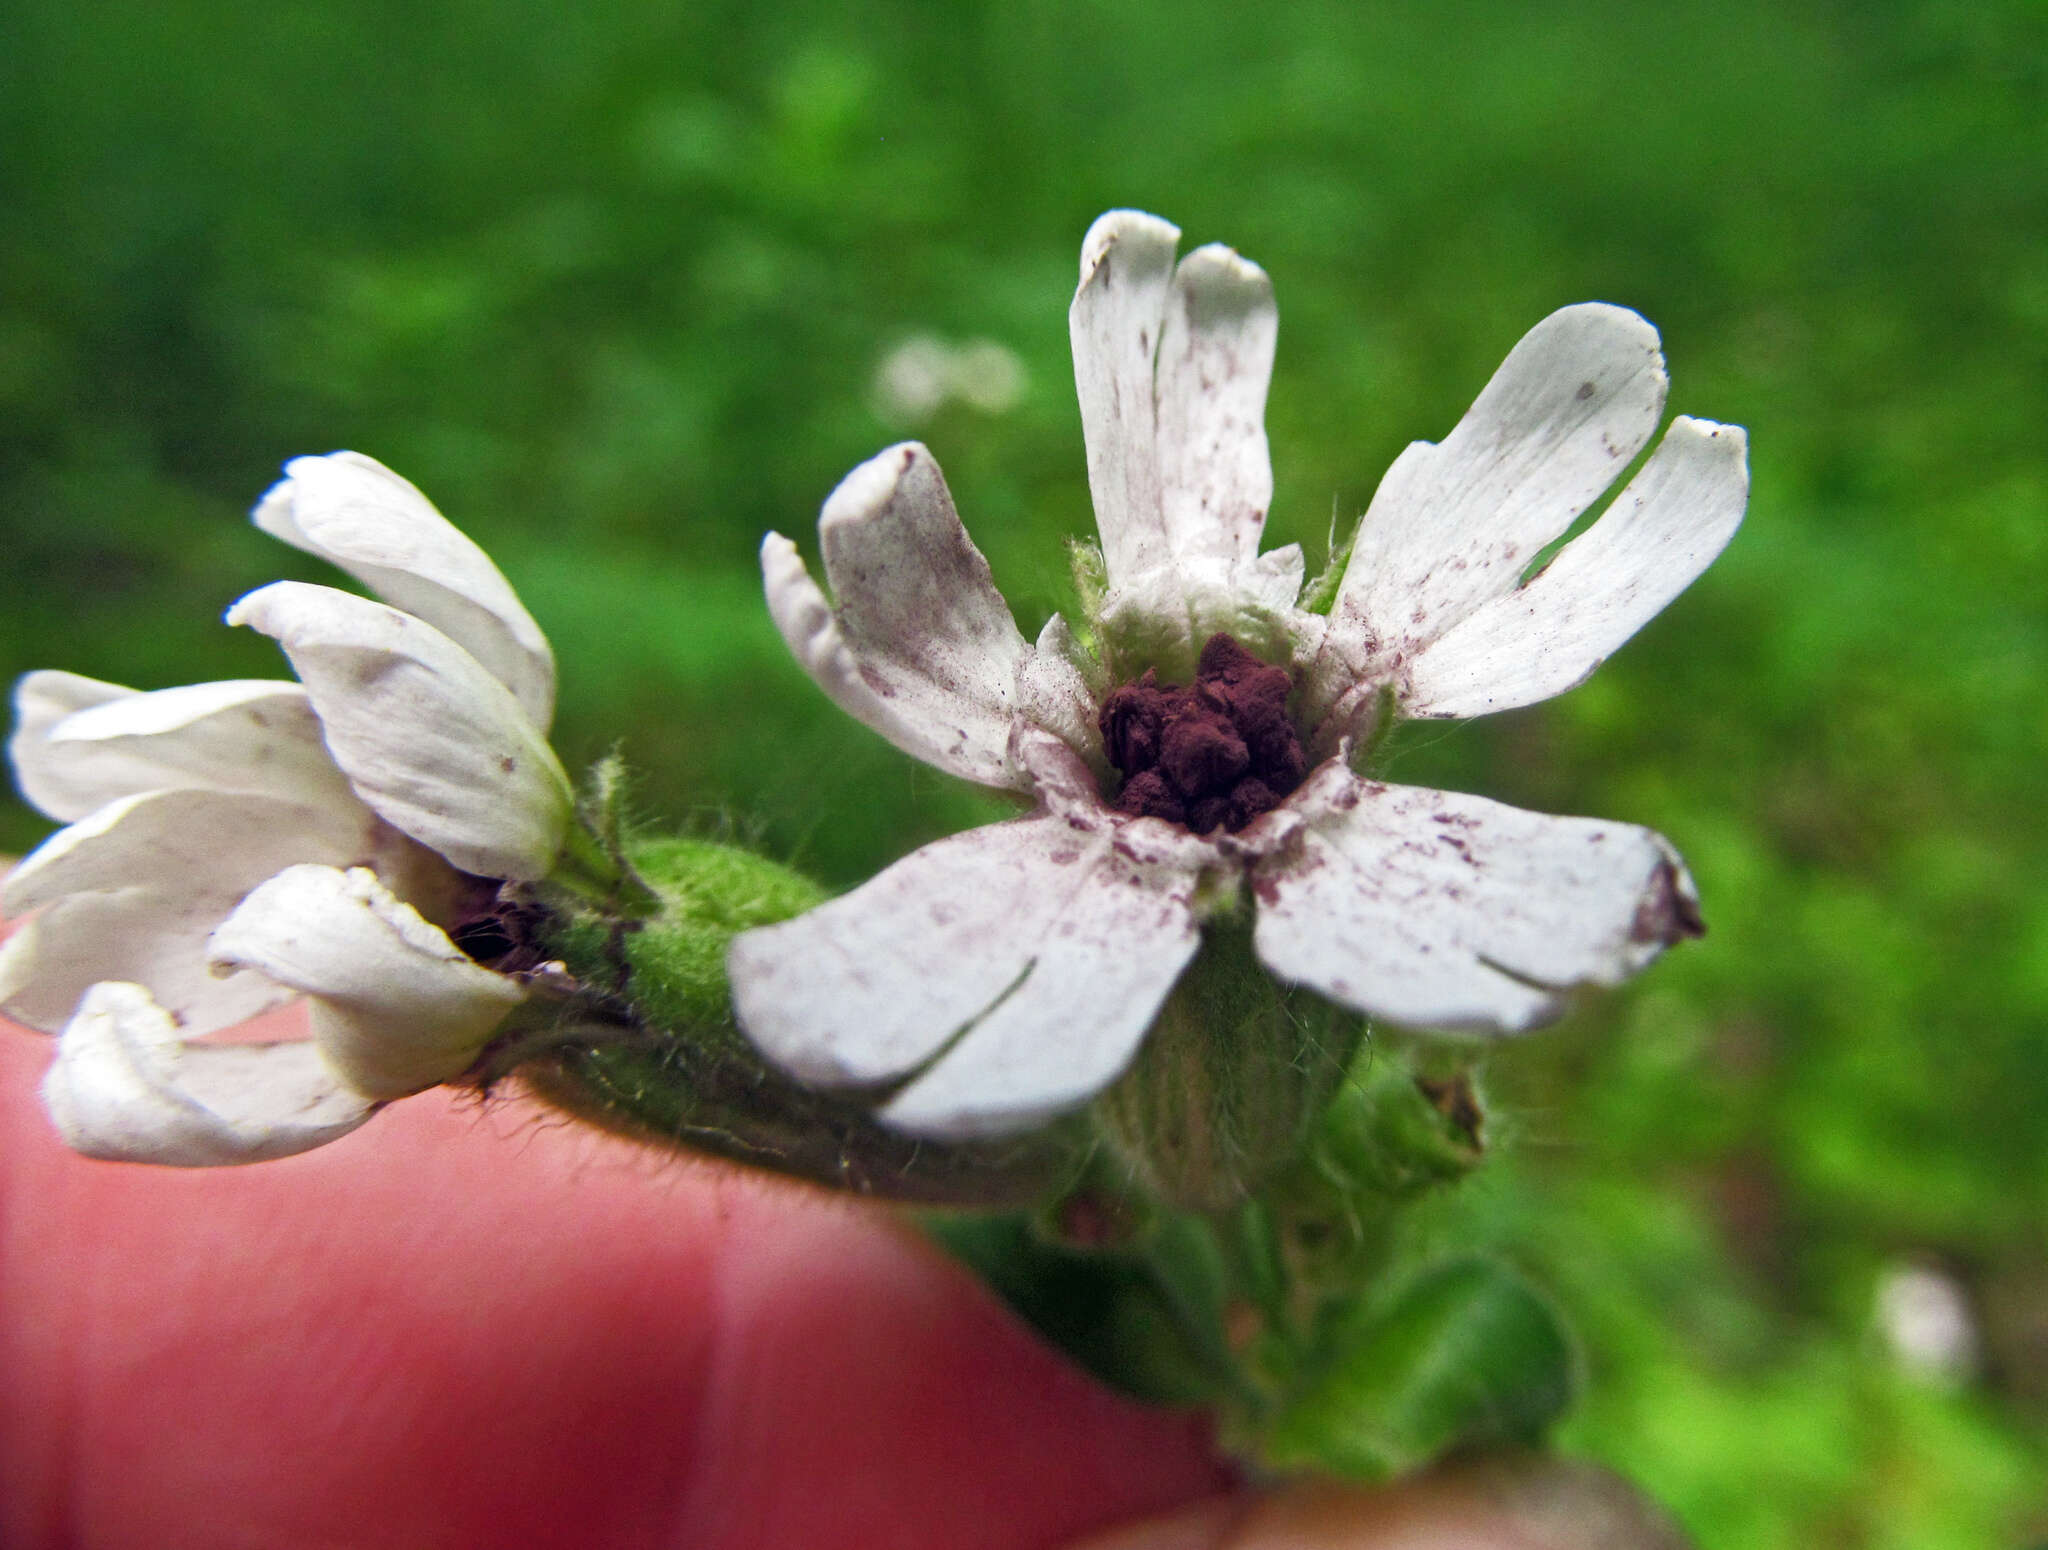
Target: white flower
(1924, 1316)
(233, 845)
(924, 373)
(1009, 973)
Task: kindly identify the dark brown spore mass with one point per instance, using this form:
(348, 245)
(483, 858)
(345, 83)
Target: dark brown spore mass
(1212, 754)
(497, 932)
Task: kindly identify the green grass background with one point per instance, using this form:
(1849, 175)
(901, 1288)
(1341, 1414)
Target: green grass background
(611, 282)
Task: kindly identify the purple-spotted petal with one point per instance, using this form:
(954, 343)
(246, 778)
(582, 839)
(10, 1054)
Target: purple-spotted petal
(127, 1087)
(1215, 362)
(921, 646)
(1454, 525)
(1171, 365)
(1059, 687)
(1012, 969)
(1437, 910)
(1542, 638)
(1117, 316)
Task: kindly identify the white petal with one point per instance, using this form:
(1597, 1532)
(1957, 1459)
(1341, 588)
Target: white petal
(1059, 687)
(435, 744)
(144, 935)
(127, 1088)
(1439, 910)
(1171, 365)
(1033, 953)
(1114, 323)
(254, 735)
(1215, 361)
(398, 1007)
(1453, 526)
(42, 700)
(1541, 639)
(204, 841)
(357, 514)
(1275, 578)
(131, 892)
(922, 647)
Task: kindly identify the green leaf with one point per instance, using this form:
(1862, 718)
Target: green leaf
(1465, 1355)
(1113, 1313)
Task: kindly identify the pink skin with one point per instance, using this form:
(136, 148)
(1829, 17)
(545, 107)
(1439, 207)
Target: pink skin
(471, 1326)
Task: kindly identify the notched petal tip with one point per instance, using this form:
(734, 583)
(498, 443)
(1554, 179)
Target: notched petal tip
(1128, 231)
(866, 494)
(1730, 441)
(259, 610)
(1222, 283)
(796, 602)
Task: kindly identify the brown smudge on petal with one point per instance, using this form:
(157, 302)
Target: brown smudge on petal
(1669, 912)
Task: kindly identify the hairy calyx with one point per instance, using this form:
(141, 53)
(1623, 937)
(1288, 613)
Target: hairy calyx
(1215, 753)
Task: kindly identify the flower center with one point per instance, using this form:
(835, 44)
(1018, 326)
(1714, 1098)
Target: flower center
(1212, 754)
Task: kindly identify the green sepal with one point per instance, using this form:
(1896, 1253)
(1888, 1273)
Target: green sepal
(1091, 576)
(592, 873)
(1464, 1355)
(1133, 635)
(1387, 1138)
(690, 1096)
(1319, 596)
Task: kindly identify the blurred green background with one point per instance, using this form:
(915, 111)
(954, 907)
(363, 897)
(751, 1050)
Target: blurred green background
(613, 285)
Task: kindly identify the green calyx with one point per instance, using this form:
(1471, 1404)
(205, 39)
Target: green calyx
(643, 1041)
(1230, 1078)
(1134, 635)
